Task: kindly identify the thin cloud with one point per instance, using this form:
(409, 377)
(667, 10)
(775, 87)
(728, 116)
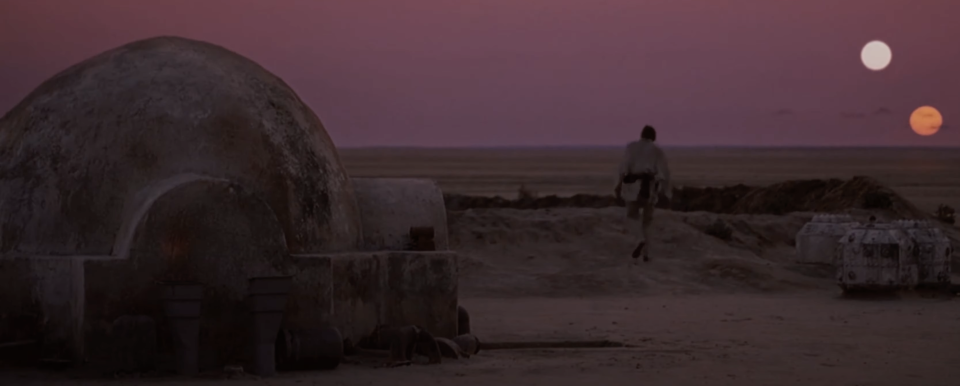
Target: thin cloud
(849, 115)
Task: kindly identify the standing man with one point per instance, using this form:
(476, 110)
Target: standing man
(643, 176)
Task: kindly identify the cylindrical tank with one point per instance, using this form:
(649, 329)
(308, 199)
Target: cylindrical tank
(931, 251)
(182, 305)
(267, 301)
(876, 257)
(816, 242)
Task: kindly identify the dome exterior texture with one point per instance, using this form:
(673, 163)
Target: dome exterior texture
(85, 155)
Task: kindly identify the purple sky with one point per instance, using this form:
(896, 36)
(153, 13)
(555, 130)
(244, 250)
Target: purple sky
(547, 72)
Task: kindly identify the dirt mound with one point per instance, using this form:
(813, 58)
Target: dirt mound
(731, 239)
(583, 251)
(831, 195)
(826, 196)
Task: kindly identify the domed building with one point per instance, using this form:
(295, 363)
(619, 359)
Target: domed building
(171, 159)
(90, 150)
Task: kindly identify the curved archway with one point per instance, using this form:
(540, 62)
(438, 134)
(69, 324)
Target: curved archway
(192, 228)
(144, 200)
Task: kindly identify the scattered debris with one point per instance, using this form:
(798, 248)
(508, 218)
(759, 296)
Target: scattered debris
(402, 343)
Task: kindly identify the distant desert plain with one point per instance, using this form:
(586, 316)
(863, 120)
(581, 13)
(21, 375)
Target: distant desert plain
(925, 176)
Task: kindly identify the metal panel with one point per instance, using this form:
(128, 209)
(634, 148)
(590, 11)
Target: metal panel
(931, 253)
(875, 256)
(817, 241)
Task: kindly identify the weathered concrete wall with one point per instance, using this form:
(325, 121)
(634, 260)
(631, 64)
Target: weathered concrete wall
(353, 292)
(59, 286)
(78, 154)
(390, 206)
(310, 304)
(358, 291)
(341, 290)
(421, 288)
(51, 305)
(371, 288)
(19, 309)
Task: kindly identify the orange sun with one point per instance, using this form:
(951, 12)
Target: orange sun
(926, 121)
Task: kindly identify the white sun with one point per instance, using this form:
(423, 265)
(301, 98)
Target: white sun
(876, 55)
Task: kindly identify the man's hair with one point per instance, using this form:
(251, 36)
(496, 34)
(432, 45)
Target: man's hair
(648, 132)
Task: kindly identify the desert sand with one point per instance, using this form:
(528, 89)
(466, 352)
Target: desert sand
(704, 311)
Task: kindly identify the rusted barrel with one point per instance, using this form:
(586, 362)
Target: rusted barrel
(314, 349)
(181, 304)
